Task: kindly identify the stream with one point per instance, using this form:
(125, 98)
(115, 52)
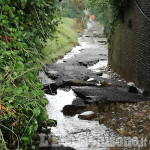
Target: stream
(72, 131)
(83, 94)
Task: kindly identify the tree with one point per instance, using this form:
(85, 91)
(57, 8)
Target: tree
(107, 11)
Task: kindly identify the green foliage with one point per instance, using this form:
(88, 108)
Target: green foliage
(73, 8)
(24, 26)
(66, 39)
(107, 11)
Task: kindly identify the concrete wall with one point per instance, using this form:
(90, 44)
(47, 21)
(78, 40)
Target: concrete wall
(129, 52)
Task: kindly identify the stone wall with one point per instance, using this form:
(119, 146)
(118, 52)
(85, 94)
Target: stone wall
(129, 52)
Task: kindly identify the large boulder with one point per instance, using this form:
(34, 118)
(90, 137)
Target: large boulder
(107, 94)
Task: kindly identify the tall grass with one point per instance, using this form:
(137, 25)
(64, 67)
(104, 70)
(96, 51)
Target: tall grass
(66, 39)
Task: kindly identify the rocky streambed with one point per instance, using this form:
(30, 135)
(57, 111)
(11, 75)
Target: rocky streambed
(93, 107)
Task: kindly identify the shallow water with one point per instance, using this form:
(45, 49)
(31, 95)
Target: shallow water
(71, 131)
(99, 67)
(77, 49)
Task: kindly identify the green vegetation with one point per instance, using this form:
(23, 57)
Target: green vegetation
(107, 11)
(24, 27)
(66, 39)
(73, 8)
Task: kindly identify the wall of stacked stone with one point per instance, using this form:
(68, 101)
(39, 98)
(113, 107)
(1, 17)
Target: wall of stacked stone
(129, 52)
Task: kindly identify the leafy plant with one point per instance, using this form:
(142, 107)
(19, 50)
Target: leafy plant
(24, 27)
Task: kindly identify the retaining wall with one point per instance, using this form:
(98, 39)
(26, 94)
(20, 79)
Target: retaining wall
(129, 52)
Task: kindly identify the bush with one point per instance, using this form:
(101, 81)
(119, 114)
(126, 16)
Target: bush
(24, 26)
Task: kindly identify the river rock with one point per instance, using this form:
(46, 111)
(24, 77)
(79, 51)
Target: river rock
(69, 110)
(49, 85)
(121, 131)
(88, 115)
(78, 102)
(107, 94)
(52, 74)
(50, 89)
(43, 141)
(78, 83)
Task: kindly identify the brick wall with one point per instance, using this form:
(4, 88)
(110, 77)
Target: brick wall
(129, 52)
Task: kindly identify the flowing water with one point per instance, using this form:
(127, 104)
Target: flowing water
(71, 131)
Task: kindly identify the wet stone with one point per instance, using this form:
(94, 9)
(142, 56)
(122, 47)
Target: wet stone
(87, 63)
(107, 94)
(51, 89)
(70, 83)
(44, 79)
(90, 100)
(82, 64)
(69, 110)
(43, 142)
(78, 102)
(52, 74)
(88, 115)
